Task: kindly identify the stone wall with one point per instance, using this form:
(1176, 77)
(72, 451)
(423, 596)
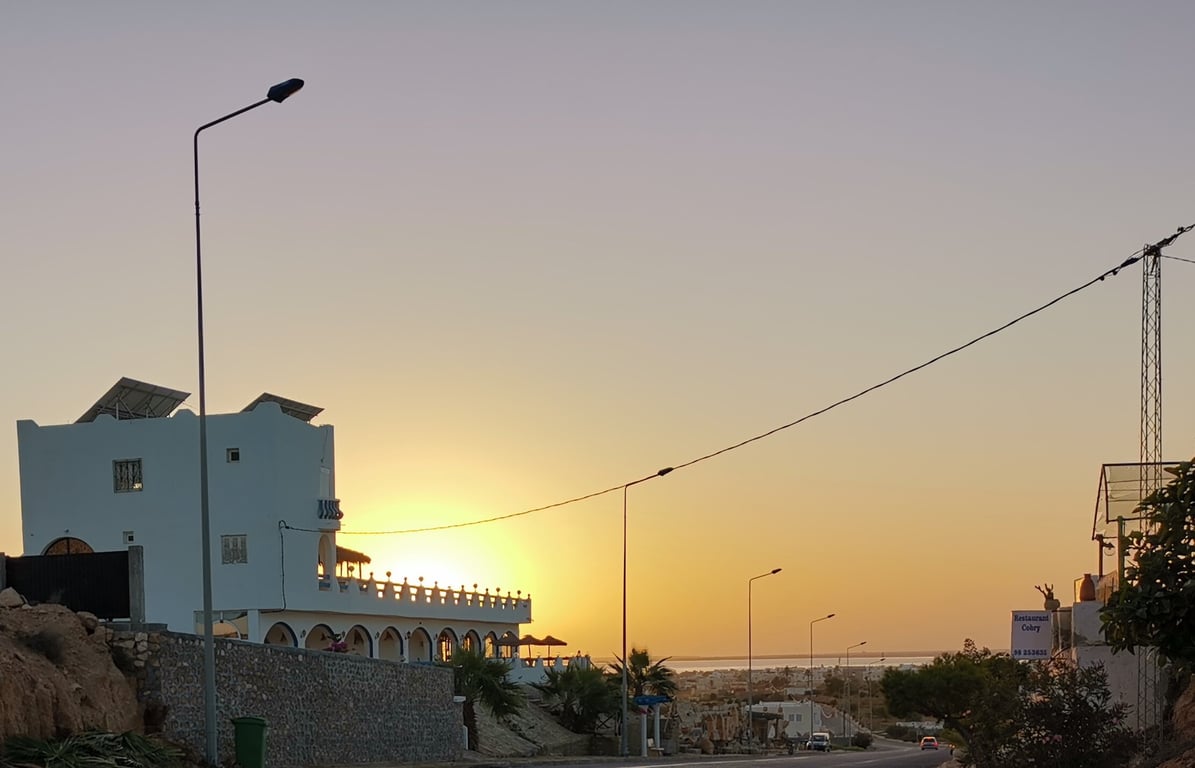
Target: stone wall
(322, 708)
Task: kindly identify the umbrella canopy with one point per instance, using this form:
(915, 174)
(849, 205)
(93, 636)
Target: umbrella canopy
(550, 641)
(507, 641)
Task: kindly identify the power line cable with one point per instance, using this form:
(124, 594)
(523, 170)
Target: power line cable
(1178, 258)
(1113, 272)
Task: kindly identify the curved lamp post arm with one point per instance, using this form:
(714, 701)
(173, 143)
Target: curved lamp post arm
(277, 93)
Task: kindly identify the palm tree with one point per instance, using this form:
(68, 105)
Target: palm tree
(484, 681)
(580, 697)
(645, 676)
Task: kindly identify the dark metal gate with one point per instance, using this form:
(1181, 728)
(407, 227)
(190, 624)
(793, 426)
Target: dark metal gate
(97, 582)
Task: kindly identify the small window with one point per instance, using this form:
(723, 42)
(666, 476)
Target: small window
(126, 475)
(233, 455)
(129, 538)
(233, 549)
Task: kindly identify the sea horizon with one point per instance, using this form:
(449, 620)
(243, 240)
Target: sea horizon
(696, 663)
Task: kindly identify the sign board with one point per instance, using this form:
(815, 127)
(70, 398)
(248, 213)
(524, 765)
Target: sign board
(648, 701)
(1032, 635)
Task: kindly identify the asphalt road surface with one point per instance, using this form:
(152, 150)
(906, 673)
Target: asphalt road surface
(884, 755)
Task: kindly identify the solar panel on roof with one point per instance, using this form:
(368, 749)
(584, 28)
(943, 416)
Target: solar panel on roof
(300, 411)
(132, 399)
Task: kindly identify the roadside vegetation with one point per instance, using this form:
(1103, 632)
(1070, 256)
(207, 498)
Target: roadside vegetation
(1010, 714)
(1155, 604)
(484, 682)
(90, 750)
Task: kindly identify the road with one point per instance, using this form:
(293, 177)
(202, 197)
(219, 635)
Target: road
(885, 755)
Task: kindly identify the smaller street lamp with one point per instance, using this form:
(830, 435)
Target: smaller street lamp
(846, 711)
(750, 711)
(823, 618)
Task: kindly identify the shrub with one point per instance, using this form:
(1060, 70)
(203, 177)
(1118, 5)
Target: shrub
(862, 740)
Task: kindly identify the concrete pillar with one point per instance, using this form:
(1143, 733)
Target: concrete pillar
(656, 729)
(253, 626)
(642, 732)
(3, 571)
(136, 586)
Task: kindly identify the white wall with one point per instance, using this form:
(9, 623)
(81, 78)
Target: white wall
(67, 490)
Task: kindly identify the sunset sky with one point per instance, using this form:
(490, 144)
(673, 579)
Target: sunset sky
(521, 252)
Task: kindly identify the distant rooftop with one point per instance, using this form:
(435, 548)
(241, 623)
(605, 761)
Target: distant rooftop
(132, 399)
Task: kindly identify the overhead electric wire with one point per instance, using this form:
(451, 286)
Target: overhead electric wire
(1132, 259)
(1178, 258)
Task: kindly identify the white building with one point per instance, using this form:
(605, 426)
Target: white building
(126, 473)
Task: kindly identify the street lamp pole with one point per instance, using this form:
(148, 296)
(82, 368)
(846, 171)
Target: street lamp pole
(871, 709)
(278, 93)
(823, 618)
(750, 711)
(846, 713)
(624, 749)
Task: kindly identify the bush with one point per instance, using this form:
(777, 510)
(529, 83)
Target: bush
(901, 732)
(862, 740)
(47, 642)
(90, 750)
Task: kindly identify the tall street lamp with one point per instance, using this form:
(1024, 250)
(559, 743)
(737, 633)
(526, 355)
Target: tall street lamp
(823, 618)
(846, 713)
(623, 746)
(278, 93)
(772, 572)
(871, 710)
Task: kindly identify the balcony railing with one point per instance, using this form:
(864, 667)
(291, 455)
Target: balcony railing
(409, 597)
(327, 512)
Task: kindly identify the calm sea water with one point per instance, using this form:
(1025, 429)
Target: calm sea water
(796, 662)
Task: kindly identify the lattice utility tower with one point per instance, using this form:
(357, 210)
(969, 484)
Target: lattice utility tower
(1149, 691)
(1149, 708)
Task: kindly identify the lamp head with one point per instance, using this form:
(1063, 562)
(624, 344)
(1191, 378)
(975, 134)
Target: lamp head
(284, 91)
(777, 570)
(664, 471)
(831, 615)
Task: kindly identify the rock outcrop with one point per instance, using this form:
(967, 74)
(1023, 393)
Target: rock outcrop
(58, 674)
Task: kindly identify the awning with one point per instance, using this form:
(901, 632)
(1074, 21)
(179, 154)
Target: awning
(329, 509)
(346, 555)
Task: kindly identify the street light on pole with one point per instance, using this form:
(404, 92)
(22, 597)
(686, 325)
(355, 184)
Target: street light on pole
(871, 709)
(623, 746)
(278, 93)
(823, 618)
(846, 712)
(772, 572)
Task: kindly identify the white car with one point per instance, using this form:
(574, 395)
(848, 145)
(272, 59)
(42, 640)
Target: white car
(820, 742)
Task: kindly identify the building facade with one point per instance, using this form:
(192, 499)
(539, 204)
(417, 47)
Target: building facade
(126, 473)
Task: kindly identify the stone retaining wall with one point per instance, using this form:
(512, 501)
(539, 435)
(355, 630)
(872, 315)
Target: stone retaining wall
(322, 708)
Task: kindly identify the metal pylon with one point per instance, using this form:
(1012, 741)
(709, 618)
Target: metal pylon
(1149, 691)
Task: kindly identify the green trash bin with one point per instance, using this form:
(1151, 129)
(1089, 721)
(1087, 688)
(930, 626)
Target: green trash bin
(250, 738)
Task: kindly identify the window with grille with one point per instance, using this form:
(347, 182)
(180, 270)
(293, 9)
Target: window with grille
(234, 549)
(126, 475)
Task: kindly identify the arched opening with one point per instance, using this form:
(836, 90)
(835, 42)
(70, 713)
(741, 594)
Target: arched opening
(507, 645)
(326, 557)
(359, 642)
(68, 545)
(471, 642)
(446, 644)
(419, 646)
(491, 646)
(390, 645)
(319, 638)
(281, 634)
